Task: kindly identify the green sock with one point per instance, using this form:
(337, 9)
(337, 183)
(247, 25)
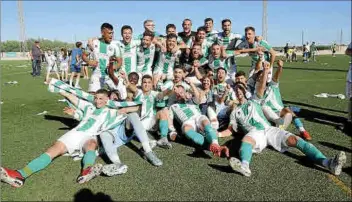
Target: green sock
(35, 165)
(210, 134)
(164, 127)
(310, 151)
(246, 152)
(195, 137)
(89, 159)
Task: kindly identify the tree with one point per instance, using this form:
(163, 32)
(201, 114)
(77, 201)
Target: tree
(45, 44)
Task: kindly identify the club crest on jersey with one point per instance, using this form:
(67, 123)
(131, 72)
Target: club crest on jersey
(110, 48)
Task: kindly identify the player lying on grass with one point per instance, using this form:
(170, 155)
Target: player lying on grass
(273, 107)
(193, 123)
(81, 139)
(249, 118)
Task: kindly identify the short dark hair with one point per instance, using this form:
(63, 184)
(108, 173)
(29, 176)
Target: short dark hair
(78, 44)
(180, 86)
(170, 26)
(102, 91)
(179, 67)
(215, 44)
(202, 28)
(170, 36)
(241, 86)
(226, 20)
(249, 28)
(240, 73)
(148, 33)
(217, 69)
(126, 27)
(187, 19)
(106, 26)
(208, 19)
(147, 76)
(131, 74)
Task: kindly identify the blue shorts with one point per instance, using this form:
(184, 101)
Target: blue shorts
(75, 68)
(120, 137)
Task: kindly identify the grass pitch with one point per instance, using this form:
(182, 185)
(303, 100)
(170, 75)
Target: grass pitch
(184, 176)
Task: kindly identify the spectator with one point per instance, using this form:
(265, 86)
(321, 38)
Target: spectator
(36, 53)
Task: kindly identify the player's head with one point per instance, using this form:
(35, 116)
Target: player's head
(107, 32)
(250, 33)
(147, 39)
(208, 24)
(178, 73)
(215, 50)
(147, 83)
(241, 77)
(170, 29)
(114, 95)
(101, 97)
(64, 52)
(226, 26)
(201, 33)
(78, 44)
(126, 33)
(149, 25)
(171, 41)
(133, 78)
(221, 74)
(196, 50)
(240, 91)
(207, 82)
(187, 25)
(180, 93)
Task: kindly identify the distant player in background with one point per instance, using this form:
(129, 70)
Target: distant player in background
(51, 60)
(333, 49)
(85, 66)
(64, 60)
(76, 59)
(294, 53)
(313, 51)
(286, 48)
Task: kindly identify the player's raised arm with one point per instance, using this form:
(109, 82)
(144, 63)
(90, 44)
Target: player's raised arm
(263, 79)
(278, 72)
(72, 98)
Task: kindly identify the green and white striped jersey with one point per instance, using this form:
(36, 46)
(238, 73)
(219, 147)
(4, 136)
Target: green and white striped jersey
(102, 53)
(211, 37)
(272, 97)
(129, 55)
(188, 66)
(166, 63)
(215, 63)
(184, 112)
(219, 91)
(145, 58)
(148, 103)
(95, 120)
(205, 48)
(229, 42)
(249, 117)
(169, 85)
(255, 56)
(188, 43)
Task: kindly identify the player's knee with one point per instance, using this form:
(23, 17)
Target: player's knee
(163, 114)
(90, 145)
(291, 141)
(249, 140)
(57, 149)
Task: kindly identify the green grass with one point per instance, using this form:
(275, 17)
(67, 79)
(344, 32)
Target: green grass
(275, 176)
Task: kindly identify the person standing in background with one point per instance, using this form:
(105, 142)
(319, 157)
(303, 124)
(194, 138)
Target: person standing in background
(36, 54)
(313, 51)
(76, 60)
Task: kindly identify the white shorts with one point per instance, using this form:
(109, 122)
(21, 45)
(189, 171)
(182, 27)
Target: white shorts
(63, 66)
(271, 136)
(149, 123)
(119, 87)
(196, 123)
(51, 67)
(74, 141)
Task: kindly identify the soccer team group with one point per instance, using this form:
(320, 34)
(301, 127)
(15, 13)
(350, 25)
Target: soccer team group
(187, 81)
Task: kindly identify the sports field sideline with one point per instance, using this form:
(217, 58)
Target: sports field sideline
(184, 175)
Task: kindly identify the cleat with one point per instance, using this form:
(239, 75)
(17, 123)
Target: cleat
(237, 166)
(336, 164)
(164, 143)
(89, 173)
(12, 177)
(173, 136)
(114, 169)
(215, 149)
(305, 135)
(153, 159)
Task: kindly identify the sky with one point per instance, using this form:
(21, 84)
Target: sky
(321, 21)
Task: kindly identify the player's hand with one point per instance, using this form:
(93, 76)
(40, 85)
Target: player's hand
(266, 67)
(237, 52)
(228, 87)
(93, 63)
(123, 75)
(196, 64)
(280, 63)
(70, 111)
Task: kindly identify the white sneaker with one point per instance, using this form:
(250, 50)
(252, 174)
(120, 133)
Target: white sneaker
(237, 166)
(77, 86)
(114, 169)
(335, 164)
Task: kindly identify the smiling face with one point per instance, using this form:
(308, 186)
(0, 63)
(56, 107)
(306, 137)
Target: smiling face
(171, 43)
(216, 51)
(149, 26)
(187, 26)
(201, 35)
(127, 35)
(147, 85)
(206, 83)
(239, 93)
(221, 75)
(146, 41)
(133, 78)
(100, 100)
(196, 51)
(208, 26)
(226, 27)
(178, 75)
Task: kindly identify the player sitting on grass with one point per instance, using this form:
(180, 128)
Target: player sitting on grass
(249, 118)
(193, 123)
(273, 107)
(81, 139)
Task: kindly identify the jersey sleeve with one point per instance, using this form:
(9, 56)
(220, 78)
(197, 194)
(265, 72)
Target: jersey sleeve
(265, 44)
(82, 104)
(233, 121)
(168, 85)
